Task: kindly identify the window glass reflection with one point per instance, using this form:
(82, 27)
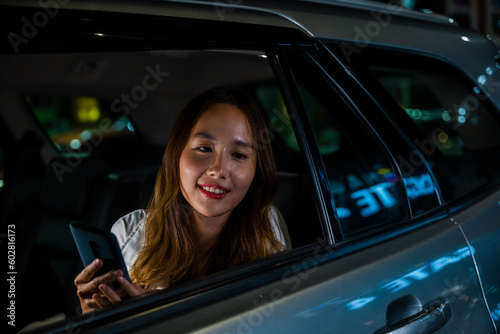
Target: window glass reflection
(459, 134)
(362, 180)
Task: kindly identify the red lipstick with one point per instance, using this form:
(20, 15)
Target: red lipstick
(213, 191)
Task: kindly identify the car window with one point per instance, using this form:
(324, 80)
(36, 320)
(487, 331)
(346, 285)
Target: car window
(450, 114)
(362, 178)
(98, 190)
(82, 124)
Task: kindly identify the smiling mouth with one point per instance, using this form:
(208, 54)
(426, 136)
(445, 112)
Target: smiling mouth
(213, 192)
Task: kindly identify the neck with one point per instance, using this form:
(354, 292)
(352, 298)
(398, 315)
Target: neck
(208, 229)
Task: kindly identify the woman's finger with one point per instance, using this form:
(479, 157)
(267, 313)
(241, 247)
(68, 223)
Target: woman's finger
(100, 301)
(132, 290)
(138, 288)
(90, 304)
(88, 272)
(112, 296)
(89, 288)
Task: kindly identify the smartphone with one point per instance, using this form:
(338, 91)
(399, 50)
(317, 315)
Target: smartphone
(93, 243)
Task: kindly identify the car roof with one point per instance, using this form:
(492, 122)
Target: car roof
(354, 20)
(361, 23)
(314, 17)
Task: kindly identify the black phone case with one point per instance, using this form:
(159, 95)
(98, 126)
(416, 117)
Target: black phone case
(95, 243)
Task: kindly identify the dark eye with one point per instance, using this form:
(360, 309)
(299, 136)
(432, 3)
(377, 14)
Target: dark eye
(204, 149)
(239, 156)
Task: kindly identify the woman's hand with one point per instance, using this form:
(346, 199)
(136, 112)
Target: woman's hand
(130, 289)
(94, 293)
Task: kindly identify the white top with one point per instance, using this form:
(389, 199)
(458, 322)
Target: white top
(129, 231)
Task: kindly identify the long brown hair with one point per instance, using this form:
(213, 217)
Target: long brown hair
(169, 252)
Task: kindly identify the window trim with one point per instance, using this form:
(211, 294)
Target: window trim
(356, 111)
(378, 120)
(308, 146)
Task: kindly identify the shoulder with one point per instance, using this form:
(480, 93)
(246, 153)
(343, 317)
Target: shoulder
(129, 231)
(127, 226)
(279, 227)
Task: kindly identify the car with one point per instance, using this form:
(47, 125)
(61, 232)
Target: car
(384, 124)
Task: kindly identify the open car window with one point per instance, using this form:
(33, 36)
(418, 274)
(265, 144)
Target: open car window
(111, 123)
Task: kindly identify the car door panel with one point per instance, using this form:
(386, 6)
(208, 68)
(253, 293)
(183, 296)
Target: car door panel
(350, 292)
(480, 223)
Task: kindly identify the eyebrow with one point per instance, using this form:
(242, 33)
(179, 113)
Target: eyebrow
(212, 138)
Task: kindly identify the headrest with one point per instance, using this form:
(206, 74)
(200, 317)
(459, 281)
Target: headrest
(68, 184)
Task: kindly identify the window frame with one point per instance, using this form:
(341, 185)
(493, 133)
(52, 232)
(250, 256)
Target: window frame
(349, 120)
(393, 128)
(308, 146)
(339, 84)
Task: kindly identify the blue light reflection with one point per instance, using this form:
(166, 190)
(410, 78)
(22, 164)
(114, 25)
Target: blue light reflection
(482, 79)
(312, 312)
(495, 314)
(359, 303)
(417, 186)
(442, 262)
(426, 270)
(406, 280)
(343, 213)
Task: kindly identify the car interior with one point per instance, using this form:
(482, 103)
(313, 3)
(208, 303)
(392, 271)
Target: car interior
(84, 139)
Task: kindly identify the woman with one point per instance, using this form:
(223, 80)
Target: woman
(211, 208)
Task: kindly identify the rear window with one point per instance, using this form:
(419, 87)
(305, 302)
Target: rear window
(459, 129)
(452, 125)
(82, 124)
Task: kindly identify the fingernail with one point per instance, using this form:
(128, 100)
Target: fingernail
(121, 279)
(103, 287)
(117, 273)
(97, 262)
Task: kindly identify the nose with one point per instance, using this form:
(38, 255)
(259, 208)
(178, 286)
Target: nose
(219, 166)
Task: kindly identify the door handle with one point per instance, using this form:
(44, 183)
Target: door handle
(406, 315)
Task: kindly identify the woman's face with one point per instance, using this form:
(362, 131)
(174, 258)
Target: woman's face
(218, 164)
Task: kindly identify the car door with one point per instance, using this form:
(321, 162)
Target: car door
(401, 249)
(457, 132)
(391, 260)
(480, 223)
